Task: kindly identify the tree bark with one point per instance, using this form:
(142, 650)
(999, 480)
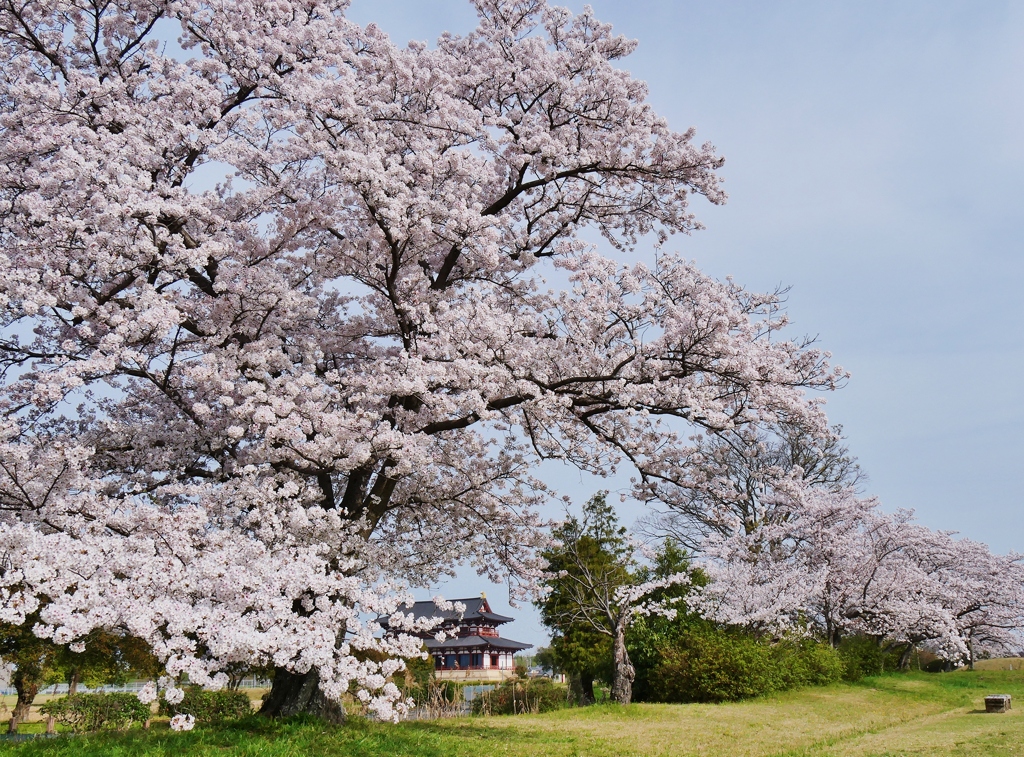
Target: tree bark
(835, 637)
(73, 682)
(905, 657)
(623, 671)
(587, 687)
(581, 687)
(299, 694)
(27, 690)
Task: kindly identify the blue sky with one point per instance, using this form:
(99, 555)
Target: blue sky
(875, 163)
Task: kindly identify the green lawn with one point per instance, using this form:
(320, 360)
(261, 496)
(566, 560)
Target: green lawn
(915, 714)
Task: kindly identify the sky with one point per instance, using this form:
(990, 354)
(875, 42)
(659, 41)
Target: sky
(875, 164)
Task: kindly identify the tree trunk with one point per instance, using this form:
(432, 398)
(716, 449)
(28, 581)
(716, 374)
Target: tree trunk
(73, 682)
(587, 686)
(905, 657)
(970, 649)
(623, 671)
(300, 694)
(581, 688)
(27, 690)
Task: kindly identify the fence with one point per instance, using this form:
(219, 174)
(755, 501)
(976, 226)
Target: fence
(131, 687)
(472, 691)
(439, 707)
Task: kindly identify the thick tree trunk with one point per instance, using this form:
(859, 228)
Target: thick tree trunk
(27, 690)
(623, 671)
(906, 656)
(581, 688)
(300, 694)
(73, 682)
(587, 688)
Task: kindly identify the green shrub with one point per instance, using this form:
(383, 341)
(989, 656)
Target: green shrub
(863, 656)
(517, 697)
(806, 662)
(710, 667)
(713, 665)
(94, 712)
(209, 706)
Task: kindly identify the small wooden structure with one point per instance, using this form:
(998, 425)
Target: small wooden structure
(997, 703)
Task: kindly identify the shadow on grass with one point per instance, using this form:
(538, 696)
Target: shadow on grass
(254, 736)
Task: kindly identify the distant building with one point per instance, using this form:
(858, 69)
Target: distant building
(472, 650)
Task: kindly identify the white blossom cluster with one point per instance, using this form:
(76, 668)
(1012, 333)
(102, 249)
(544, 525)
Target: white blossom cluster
(183, 723)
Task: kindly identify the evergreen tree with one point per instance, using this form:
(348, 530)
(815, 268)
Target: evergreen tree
(597, 590)
(35, 664)
(577, 648)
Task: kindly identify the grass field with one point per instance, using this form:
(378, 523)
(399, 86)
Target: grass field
(1001, 663)
(914, 714)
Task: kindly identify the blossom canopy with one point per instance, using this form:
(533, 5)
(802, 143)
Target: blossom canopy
(275, 337)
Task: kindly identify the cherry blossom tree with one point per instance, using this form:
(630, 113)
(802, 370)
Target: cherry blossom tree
(730, 478)
(984, 593)
(276, 343)
(837, 565)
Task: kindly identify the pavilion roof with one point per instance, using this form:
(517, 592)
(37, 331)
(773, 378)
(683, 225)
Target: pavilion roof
(476, 609)
(492, 642)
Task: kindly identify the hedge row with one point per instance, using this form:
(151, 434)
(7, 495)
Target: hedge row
(95, 712)
(209, 706)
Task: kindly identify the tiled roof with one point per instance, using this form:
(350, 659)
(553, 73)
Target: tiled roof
(476, 609)
(492, 642)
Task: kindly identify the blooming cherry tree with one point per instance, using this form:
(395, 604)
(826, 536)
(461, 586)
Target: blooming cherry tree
(838, 563)
(737, 479)
(276, 342)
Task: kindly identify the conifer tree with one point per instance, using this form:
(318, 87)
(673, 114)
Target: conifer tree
(595, 590)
